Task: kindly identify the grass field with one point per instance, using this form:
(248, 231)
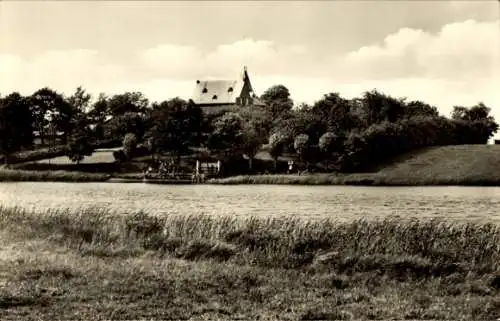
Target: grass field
(93, 265)
(448, 165)
(99, 156)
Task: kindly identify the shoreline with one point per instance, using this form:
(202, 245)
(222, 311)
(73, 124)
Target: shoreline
(323, 179)
(354, 179)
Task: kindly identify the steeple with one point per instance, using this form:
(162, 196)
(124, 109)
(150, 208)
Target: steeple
(244, 74)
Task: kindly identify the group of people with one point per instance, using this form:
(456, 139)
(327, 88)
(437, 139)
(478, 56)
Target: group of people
(165, 169)
(168, 169)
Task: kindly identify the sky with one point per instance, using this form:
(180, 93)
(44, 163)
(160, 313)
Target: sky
(445, 53)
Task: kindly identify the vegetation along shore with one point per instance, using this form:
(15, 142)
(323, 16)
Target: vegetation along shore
(470, 165)
(95, 264)
(374, 139)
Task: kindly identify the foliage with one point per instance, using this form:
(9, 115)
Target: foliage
(80, 100)
(276, 146)
(331, 146)
(301, 144)
(252, 141)
(129, 144)
(80, 141)
(129, 102)
(277, 98)
(476, 121)
(50, 107)
(119, 155)
(176, 125)
(353, 134)
(336, 111)
(120, 125)
(227, 136)
(16, 130)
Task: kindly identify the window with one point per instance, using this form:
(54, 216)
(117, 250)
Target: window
(214, 97)
(205, 90)
(230, 90)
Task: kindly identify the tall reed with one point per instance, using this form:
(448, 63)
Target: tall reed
(274, 241)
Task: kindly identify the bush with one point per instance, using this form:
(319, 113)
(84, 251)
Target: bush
(119, 156)
(129, 145)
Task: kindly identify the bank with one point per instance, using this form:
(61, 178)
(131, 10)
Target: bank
(467, 165)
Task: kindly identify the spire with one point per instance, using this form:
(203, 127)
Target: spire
(244, 75)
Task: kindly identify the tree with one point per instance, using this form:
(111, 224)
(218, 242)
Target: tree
(252, 142)
(129, 102)
(336, 111)
(380, 107)
(302, 146)
(97, 115)
(479, 125)
(276, 146)
(278, 100)
(176, 125)
(79, 143)
(129, 145)
(330, 145)
(260, 118)
(417, 108)
(49, 106)
(120, 125)
(80, 100)
(16, 131)
(227, 136)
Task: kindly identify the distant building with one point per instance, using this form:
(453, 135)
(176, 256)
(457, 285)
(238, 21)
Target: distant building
(214, 95)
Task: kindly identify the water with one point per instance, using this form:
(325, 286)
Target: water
(340, 202)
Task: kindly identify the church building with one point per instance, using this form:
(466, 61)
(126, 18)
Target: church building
(214, 95)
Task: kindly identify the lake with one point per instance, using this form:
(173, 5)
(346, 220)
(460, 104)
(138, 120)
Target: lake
(339, 202)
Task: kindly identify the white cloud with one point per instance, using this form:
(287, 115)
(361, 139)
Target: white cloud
(467, 50)
(62, 70)
(460, 64)
(226, 60)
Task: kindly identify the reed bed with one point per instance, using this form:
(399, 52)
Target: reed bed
(276, 241)
(13, 175)
(100, 265)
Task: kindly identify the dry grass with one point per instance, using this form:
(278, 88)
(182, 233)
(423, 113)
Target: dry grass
(92, 264)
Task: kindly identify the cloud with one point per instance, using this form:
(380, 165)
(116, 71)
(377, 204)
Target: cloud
(459, 64)
(226, 60)
(467, 50)
(62, 70)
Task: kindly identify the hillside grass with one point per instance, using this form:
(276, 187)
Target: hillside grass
(475, 165)
(93, 264)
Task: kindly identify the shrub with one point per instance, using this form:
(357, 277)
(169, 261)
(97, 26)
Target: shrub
(129, 145)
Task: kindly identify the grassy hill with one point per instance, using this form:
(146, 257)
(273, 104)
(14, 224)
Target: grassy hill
(447, 165)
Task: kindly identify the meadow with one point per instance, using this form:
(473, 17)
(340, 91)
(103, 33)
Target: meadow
(93, 264)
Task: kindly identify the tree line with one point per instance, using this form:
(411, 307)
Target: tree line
(339, 134)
